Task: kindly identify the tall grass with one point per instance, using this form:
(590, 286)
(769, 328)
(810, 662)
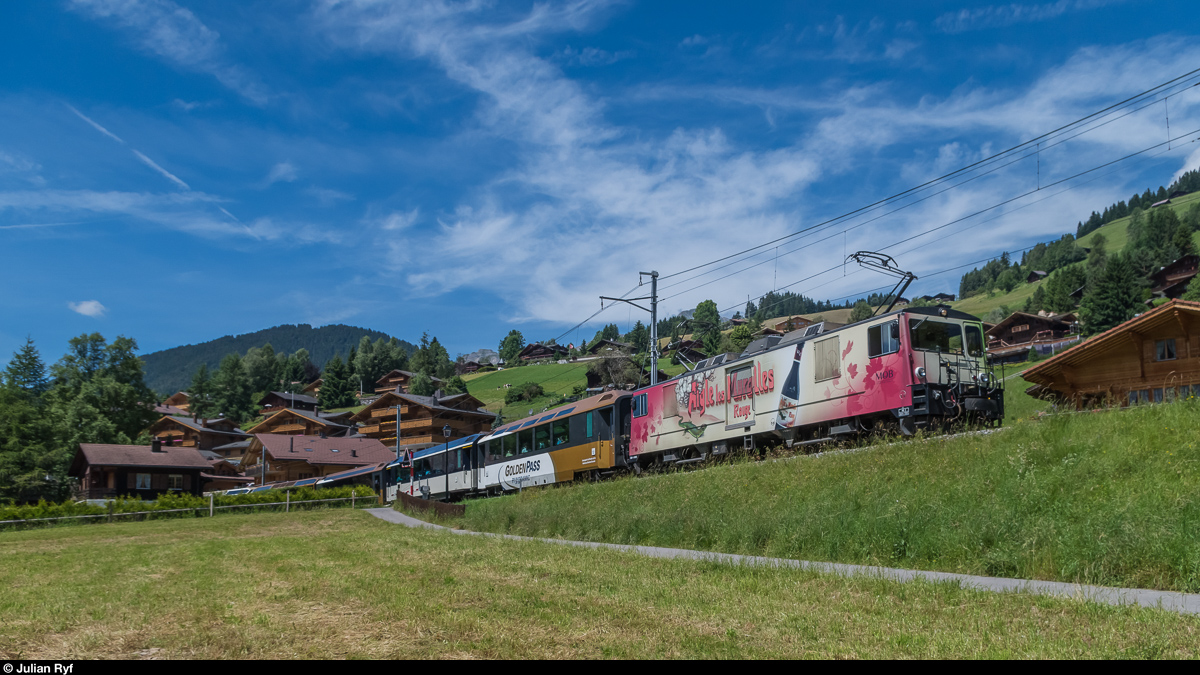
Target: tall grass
(1107, 498)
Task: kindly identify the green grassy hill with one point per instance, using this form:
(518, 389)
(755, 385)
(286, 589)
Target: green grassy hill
(1107, 498)
(1116, 235)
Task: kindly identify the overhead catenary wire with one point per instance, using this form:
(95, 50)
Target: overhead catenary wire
(1039, 144)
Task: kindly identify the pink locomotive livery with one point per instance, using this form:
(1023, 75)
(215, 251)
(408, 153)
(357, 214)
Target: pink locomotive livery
(902, 371)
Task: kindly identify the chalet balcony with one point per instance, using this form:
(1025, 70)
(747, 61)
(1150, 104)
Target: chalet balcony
(1031, 339)
(436, 425)
(285, 428)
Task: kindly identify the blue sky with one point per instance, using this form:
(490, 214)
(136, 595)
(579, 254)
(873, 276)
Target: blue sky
(177, 171)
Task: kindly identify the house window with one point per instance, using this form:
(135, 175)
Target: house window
(143, 481)
(1144, 396)
(305, 475)
(1165, 350)
(175, 481)
(1158, 395)
(1020, 329)
(1133, 398)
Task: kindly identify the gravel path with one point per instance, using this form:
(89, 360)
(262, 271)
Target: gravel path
(1184, 603)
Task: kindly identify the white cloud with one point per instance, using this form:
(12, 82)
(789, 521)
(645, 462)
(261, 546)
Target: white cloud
(590, 203)
(283, 172)
(91, 308)
(175, 34)
(999, 16)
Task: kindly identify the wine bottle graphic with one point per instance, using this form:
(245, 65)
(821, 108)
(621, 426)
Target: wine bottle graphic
(789, 396)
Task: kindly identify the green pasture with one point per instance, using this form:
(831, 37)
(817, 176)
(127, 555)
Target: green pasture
(344, 585)
(1109, 498)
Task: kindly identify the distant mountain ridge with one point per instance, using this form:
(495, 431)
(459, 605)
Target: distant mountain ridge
(171, 370)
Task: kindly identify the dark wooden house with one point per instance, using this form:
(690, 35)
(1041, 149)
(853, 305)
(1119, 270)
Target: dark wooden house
(422, 419)
(291, 458)
(1035, 276)
(1010, 340)
(1152, 358)
(537, 351)
(603, 347)
(940, 297)
(281, 400)
(146, 471)
(198, 433)
(398, 380)
(1172, 280)
(304, 423)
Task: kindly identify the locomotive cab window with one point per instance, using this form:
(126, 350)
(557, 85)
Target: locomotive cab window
(883, 339)
(639, 405)
(974, 340)
(935, 336)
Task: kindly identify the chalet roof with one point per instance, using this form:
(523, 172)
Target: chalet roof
(611, 343)
(199, 426)
(312, 386)
(531, 348)
(235, 479)
(317, 450)
(1114, 338)
(405, 373)
(99, 454)
(304, 414)
(163, 409)
(239, 445)
(389, 399)
(288, 396)
(1023, 316)
(353, 473)
(210, 455)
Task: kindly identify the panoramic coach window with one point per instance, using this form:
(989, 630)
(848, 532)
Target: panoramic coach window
(1165, 350)
(525, 442)
(561, 432)
(542, 436)
(510, 445)
(883, 339)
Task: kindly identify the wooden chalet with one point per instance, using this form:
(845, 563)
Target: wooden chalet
(273, 458)
(303, 423)
(178, 400)
(398, 380)
(282, 400)
(787, 324)
(1010, 340)
(163, 409)
(1152, 358)
(538, 351)
(603, 347)
(222, 475)
(939, 298)
(313, 388)
(1172, 280)
(470, 367)
(146, 471)
(1035, 276)
(422, 419)
(191, 432)
(691, 351)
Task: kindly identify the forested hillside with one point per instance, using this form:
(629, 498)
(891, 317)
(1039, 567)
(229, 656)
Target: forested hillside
(171, 370)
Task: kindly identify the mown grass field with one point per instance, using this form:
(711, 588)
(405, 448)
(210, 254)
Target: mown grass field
(1108, 498)
(345, 585)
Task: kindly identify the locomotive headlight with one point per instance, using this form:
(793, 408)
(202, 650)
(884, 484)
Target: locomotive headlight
(921, 372)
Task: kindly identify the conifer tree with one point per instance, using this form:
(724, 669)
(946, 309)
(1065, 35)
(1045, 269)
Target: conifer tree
(200, 394)
(26, 372)
(336, 390)
(1114, 299)
(232, 393)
